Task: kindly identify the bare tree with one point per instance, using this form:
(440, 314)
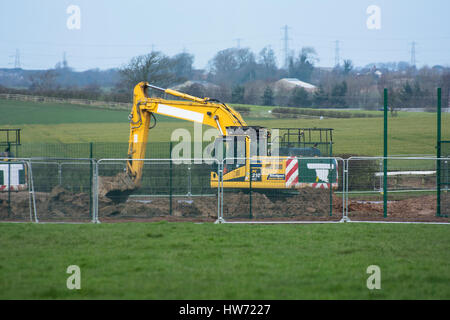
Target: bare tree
(154, 67)
(182, 65)
(267, 64)
(233, 66)
(43, 81)
(303, 67)
(348, 66)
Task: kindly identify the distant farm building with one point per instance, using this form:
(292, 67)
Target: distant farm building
(292, 83)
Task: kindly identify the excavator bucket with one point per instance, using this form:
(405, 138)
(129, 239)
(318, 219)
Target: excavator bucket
(117, 188)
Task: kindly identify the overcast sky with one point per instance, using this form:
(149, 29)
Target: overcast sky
(111, 32)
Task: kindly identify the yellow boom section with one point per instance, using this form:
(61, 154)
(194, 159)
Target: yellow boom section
(202, 110)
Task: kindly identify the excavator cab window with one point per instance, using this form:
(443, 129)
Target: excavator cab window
(232, 149)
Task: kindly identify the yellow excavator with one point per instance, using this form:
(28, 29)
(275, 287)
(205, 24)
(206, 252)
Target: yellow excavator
(205, 111)
(248, 160)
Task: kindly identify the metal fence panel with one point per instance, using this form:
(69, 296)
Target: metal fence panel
(303, 189)
(444, 181)
(169, 190)
(411, 189)
(63, 189)
(16, 203)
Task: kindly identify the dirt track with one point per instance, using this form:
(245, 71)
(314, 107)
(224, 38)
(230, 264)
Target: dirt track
(310, 204)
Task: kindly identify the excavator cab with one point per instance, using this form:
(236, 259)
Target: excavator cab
(241, 145)
(233, 150)
(241, 151)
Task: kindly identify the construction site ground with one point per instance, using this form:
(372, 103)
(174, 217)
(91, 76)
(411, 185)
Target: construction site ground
(309, 205)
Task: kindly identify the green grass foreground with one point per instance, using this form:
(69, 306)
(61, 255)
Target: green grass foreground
(205, 261)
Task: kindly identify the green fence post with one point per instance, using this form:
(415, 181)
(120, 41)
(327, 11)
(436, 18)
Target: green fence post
(250, 193)
(170, 179)
(9, 176)
(385, 153)
(331, 182)
(91, 178)
(9, 186)
(438, 155)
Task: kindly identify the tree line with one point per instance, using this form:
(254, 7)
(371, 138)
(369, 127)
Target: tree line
(238, 75)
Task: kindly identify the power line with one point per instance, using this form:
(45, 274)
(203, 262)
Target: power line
(413, 53)
(363, 37)
(336, 54)
(17, 59)
(238, 42)
(286, 45)
(64, 62)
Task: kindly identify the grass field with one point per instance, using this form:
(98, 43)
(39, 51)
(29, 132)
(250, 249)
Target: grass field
(205, 261)
(409, 133)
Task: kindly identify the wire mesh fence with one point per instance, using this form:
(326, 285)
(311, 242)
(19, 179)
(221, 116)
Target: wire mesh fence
(47, 190)
(444, 180)
(410, 193)
(168, 189)
(258, 189)
(62, 189)
(15, 200)
(283, 189)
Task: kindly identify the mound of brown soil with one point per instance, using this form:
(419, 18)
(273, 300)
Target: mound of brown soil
(308, 202)
(421, 208)
(158, 207)
(59, 203)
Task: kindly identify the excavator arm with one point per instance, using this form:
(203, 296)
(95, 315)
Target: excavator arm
(201, 110)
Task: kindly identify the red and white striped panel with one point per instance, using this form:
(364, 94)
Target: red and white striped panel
(15, 187)
(320, 185)
(291, 172)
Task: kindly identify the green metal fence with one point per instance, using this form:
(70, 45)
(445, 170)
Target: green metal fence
(443, 183)
(442, 167)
